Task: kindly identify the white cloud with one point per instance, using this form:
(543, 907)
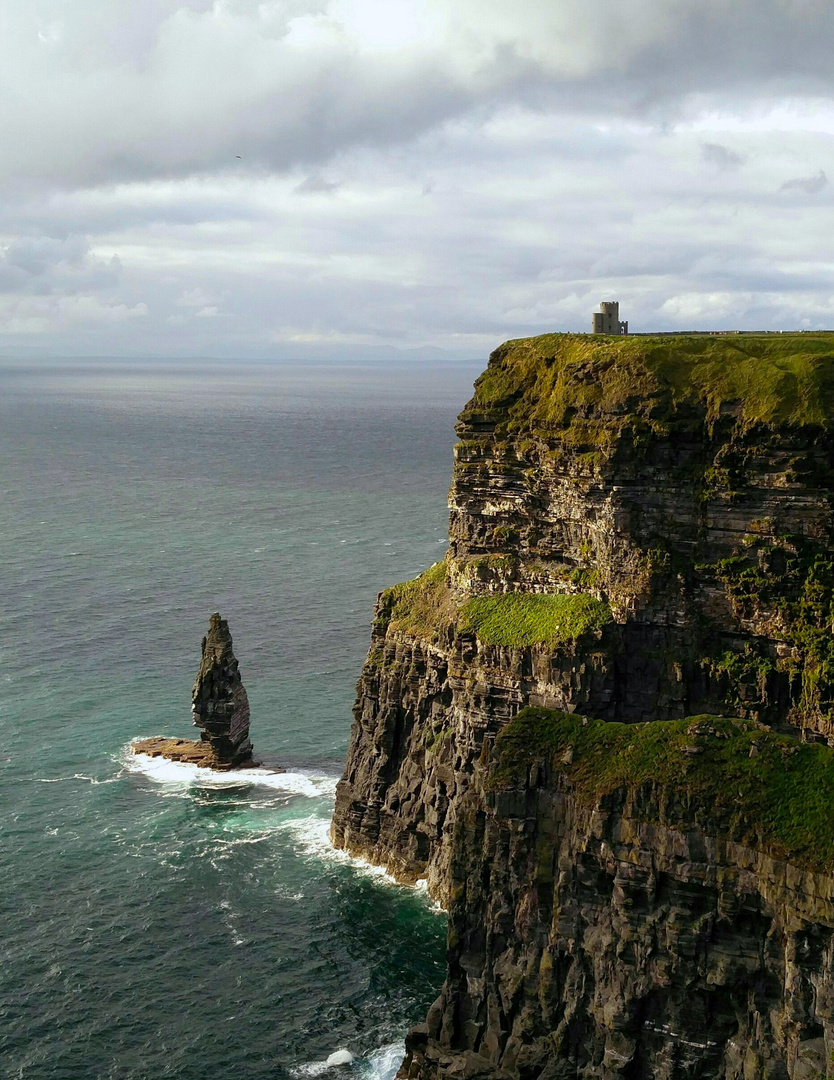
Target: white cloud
(44, 315)
(193, 298)
(91, 309)
(252, 176)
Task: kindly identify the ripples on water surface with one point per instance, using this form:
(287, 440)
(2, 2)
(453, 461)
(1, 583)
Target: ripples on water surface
(159, 921)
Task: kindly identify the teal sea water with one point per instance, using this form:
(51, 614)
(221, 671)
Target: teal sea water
(156, 921)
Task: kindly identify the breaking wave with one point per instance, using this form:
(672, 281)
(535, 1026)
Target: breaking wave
(313, 785)
(381, 1064)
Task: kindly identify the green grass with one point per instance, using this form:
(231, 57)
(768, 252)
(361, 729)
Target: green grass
(780, 799)
(425, 608)
(421, 608)
(593, 389)
(519, 619)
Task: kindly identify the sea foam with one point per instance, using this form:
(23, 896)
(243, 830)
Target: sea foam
(381, 1064)
(312, 838)
(310, 833)
(309, 784)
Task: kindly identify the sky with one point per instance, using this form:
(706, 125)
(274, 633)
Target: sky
(289, 178)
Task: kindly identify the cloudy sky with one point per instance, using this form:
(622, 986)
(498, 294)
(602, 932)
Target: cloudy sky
(263, 178)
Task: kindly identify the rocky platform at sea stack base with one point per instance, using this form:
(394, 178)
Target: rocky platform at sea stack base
(220, 708)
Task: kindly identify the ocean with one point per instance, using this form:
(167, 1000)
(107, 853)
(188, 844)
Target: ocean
(158, 920)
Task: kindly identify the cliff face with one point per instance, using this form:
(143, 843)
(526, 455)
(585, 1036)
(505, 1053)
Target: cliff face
(424, 707)
(640, 529)
(687, 482)
(599, 928)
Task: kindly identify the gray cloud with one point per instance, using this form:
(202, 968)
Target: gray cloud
(490, 169)
(809, 184)
(117, 91)
(315, 184)
(45, 265)
(721, 156)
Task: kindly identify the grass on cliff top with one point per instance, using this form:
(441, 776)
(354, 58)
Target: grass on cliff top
(781, 798)
(596, 386)
(424, 608)
(519, 619)
(421, 607)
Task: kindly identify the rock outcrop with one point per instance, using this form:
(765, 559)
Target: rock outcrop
(640, 529)
(219, 703)
(642, 929)
(220, 708)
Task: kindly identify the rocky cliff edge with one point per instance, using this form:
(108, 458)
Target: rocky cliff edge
(640, 529)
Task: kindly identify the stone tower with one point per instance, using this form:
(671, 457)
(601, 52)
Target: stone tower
(607, 319)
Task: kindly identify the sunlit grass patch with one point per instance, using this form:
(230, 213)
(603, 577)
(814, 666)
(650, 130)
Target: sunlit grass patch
(519, 619)
(422, 607)
(591, 390)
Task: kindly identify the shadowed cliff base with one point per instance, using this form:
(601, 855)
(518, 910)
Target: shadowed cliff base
(638, 901)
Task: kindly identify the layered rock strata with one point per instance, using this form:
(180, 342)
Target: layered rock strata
(647, 929)
(220, 708)
(219, 704)
(640, 529)
(686, 486)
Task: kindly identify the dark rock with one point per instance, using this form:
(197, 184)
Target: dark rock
(220, 708)
(187, 751)
(582, 941)
(587, 941)
(219, 703)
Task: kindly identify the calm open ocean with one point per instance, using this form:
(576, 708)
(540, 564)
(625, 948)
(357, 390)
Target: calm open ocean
(155, 923)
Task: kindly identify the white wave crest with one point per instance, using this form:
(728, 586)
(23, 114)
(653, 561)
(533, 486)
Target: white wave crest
(382, 1064)
(80, 776)
(163, 771)
(311, 1068)
(312, 838)
(422, 886)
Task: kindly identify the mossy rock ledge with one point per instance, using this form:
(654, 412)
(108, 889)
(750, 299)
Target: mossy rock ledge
(652, 900)
(730, 778)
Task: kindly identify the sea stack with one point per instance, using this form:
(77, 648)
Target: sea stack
(219, 703)
(220, 709)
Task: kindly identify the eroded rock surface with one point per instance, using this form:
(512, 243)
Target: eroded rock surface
(220, 708)
(688, 486)
(219, 704)
(422, 713)
(619, 941)
(703, 521)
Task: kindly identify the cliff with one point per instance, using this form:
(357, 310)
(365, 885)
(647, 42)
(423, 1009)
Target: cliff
(627, 902)
(640, 529)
